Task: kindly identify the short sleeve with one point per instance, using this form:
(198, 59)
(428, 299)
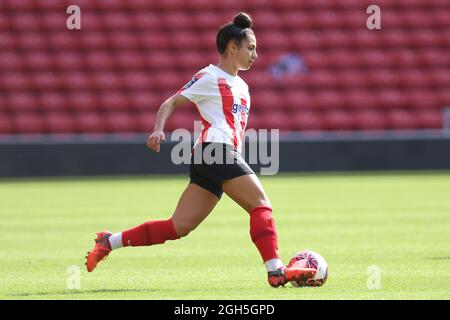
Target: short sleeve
(200, 87)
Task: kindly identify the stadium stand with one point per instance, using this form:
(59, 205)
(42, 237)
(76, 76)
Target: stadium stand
(130, 55)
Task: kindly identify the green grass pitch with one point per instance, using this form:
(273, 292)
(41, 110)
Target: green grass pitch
(397, 222)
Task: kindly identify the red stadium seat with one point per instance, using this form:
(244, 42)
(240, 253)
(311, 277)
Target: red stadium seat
(184, 40)
(422, 99)
(26, 21)
(60, 122)
(429, 119)
(322, 79)
(144, 100)
(327, 19)
(338, 120)
(381, 78)
(413, 79)
(148, 20)
(170, 5)
(266, 100)
(294, 20)
(145, 121)
(10, 60)
(53, 100)
(434, 58)
(168, 81)
(120, 122)
(136, 80)
(32, 41)
(271, 18)
(298, 100)
(28, 123)
(46, 80)
(370, 120)
(306, 40)
(115, 21)
(328, 99)
(39, 61)
(71, 60)
(112, 100)
(140, 5)
(80, 101)
(63, 40)
(50, 5)
(361, 99)
(21, 5)
(439, 78)
(190, 60)
(391, 99)
(276, 120)
(107, 5)
(100, 60)
(176, 20)
(107, 80)
(206, 21)
(254, 120)
(157, 60)
(307, 121)
(336, 39)
(182, 119)
(315, 59)
(11, 81)
(128, 60)
(343, 59)
(398, 38)
(6, 125)
(124, 40)
(94, 40)
(404, 58)
(92, 21)
(401, 119)
(7, 39)
(3, 104)
(90, 122)
(354, 79)
(19, 101)
(5, 22)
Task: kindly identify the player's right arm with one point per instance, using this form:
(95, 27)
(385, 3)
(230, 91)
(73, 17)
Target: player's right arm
(163, 114)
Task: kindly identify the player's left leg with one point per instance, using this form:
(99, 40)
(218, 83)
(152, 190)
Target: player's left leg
(248, 192)
(193, 207)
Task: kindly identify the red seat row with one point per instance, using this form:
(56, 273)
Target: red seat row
(287, 101)
(117, 122)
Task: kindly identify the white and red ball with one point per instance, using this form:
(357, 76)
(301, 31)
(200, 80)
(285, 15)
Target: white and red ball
(310, 259)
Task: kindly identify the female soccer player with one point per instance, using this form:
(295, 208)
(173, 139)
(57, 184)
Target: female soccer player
(223, 101)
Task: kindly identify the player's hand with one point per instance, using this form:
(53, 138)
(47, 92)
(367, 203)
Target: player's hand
(154, 140)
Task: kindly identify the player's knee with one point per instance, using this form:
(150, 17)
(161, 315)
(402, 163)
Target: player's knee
(183, 229)
(263, 202)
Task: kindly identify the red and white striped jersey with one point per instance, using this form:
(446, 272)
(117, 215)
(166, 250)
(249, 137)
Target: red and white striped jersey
(223, 102)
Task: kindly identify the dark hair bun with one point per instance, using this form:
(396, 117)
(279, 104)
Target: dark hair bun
(242, 20)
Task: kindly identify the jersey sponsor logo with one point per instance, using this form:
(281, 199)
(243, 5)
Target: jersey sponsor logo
(240, 108)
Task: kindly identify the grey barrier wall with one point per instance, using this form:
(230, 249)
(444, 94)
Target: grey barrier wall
(22, 156)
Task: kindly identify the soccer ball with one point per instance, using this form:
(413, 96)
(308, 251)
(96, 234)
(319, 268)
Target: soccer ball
(310, 259)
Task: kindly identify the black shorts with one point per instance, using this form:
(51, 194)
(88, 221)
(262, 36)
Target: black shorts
(213, 163)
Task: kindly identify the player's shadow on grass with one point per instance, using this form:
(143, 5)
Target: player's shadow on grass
(76, 292)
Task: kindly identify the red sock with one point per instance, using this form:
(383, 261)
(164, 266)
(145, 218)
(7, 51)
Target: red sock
(149, 233)
(263, 232)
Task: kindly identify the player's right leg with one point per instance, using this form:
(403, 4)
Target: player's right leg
(194, 206)
(248, 192)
